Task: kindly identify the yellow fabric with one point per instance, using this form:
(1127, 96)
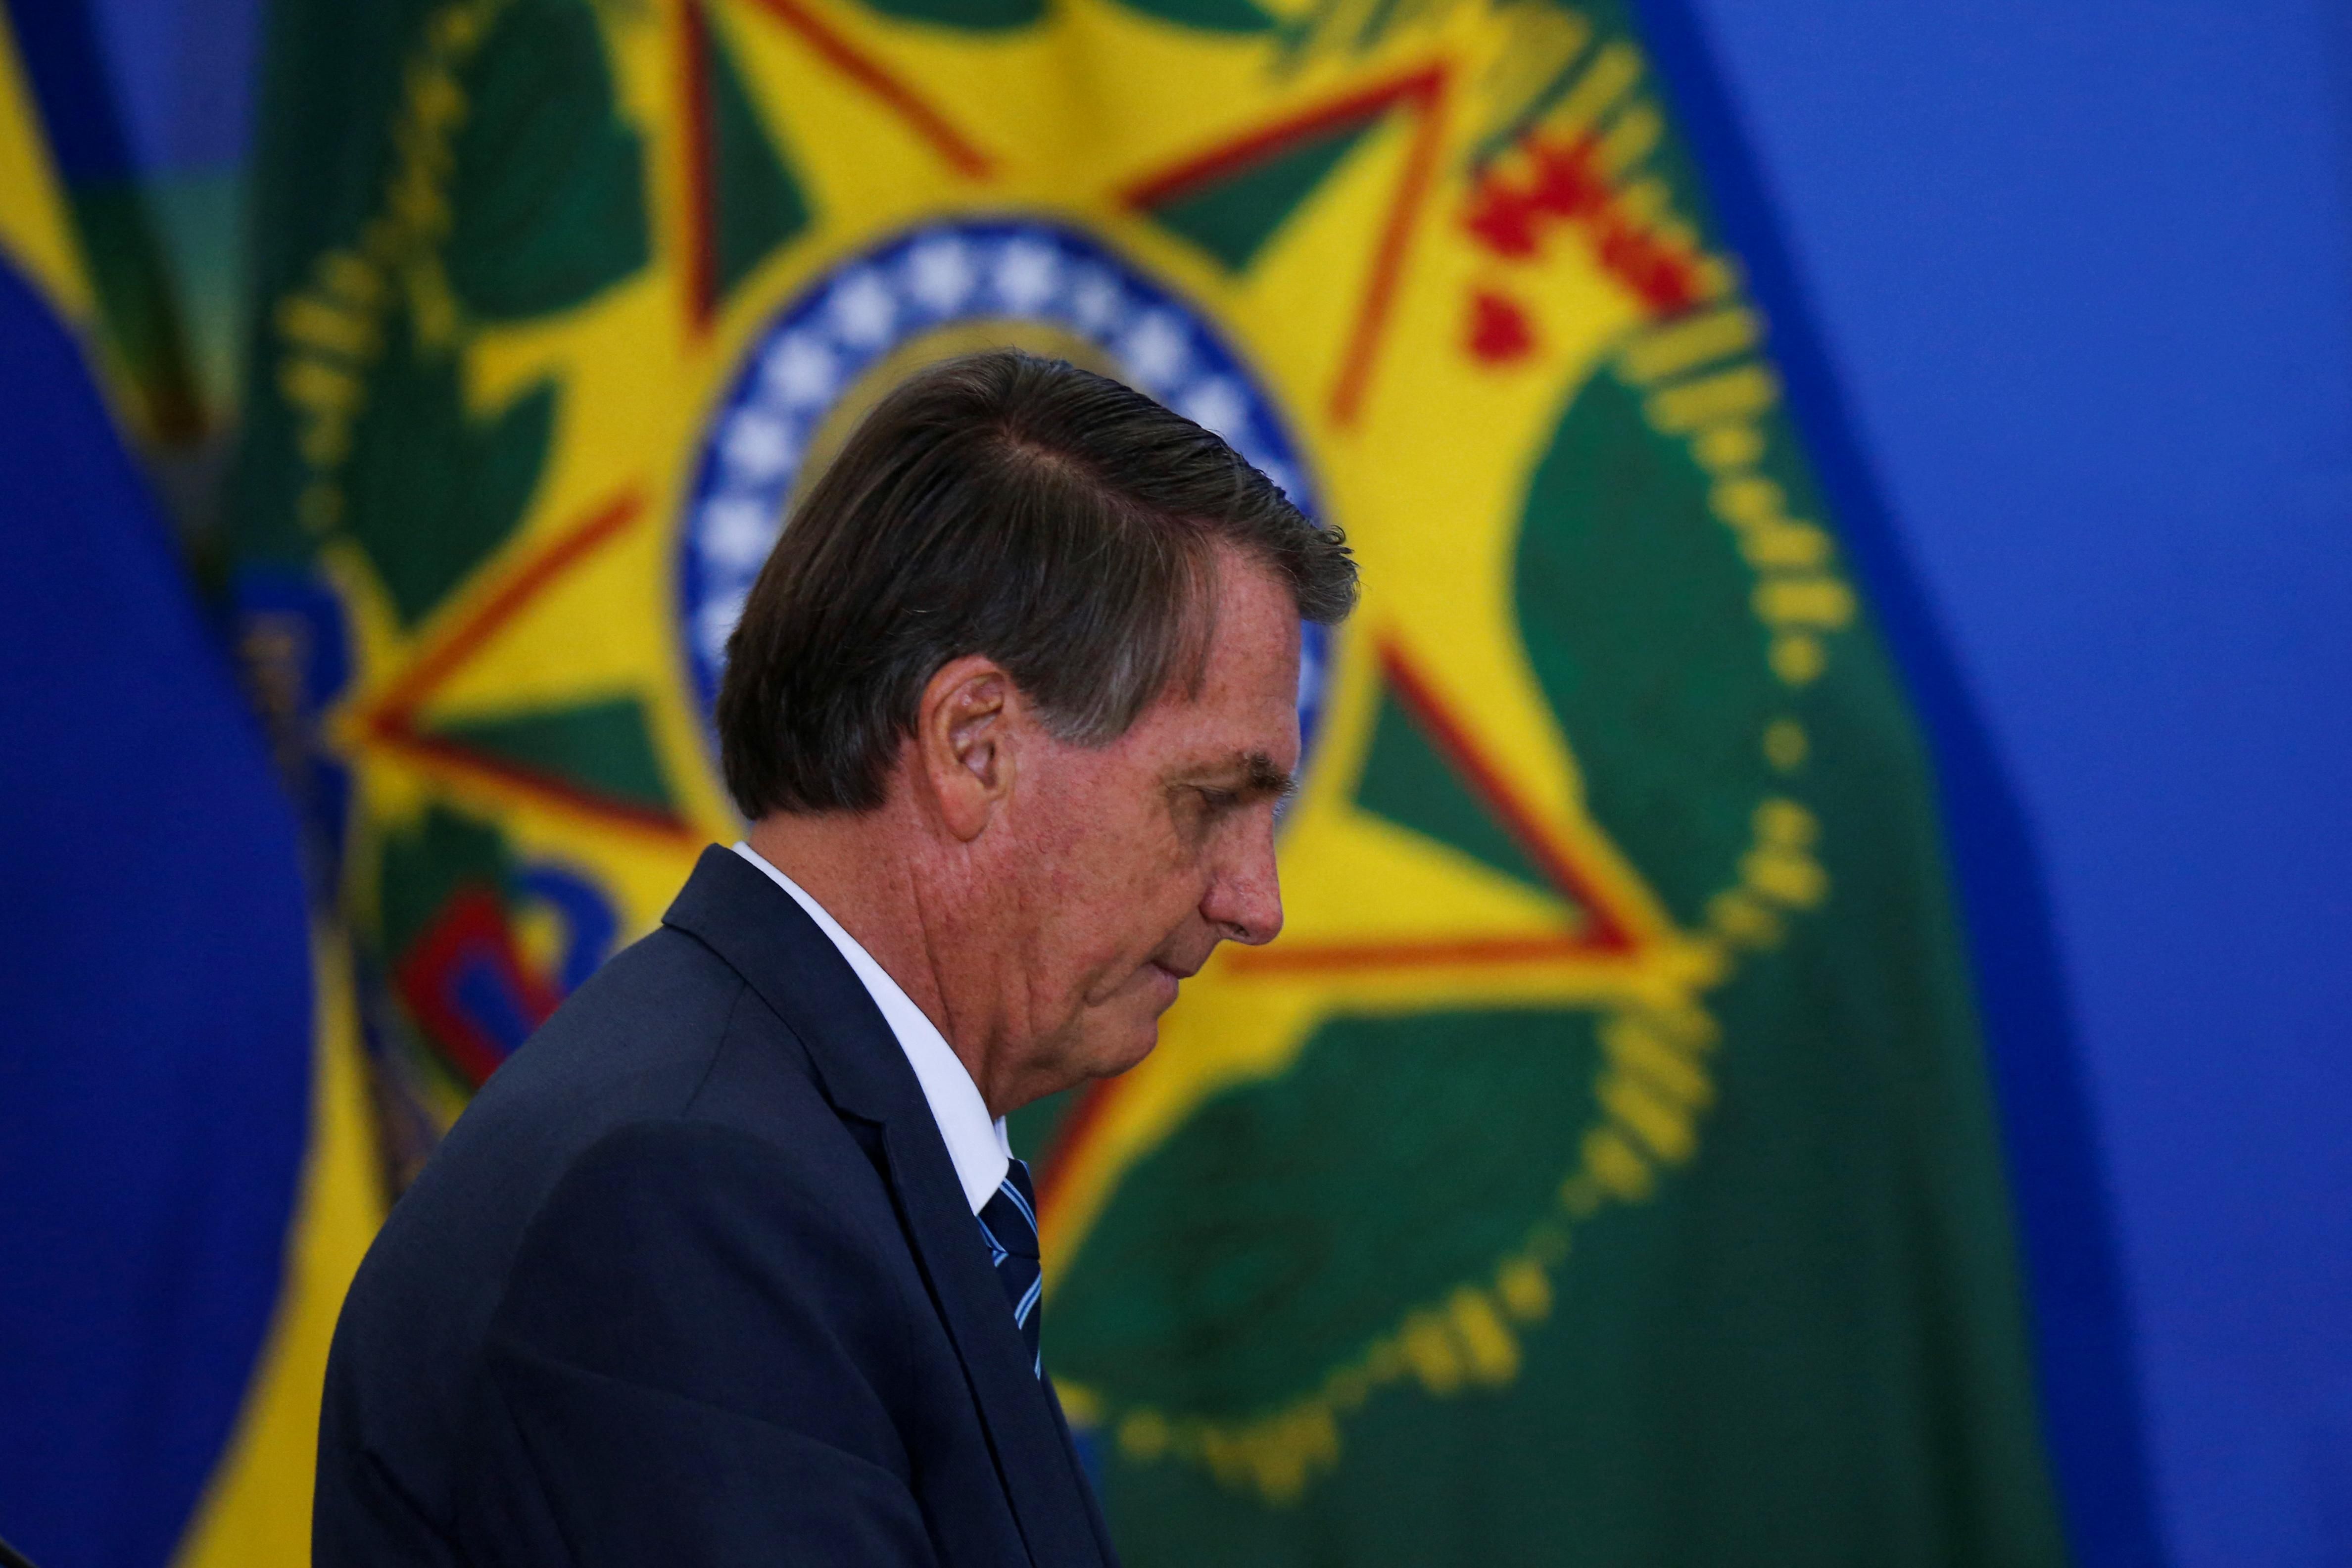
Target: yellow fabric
(34, 235)
(258, 1510)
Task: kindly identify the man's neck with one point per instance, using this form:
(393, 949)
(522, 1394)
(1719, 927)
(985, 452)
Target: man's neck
(856, 866)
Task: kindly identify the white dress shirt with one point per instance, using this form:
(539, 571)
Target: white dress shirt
(975, 1143)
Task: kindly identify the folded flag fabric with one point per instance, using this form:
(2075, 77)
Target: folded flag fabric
(156, 1072)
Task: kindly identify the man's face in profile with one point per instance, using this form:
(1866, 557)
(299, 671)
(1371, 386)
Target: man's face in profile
(1132, 861)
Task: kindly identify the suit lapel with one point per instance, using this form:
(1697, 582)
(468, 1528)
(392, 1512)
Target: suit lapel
(770, 940)
(1039, 1467)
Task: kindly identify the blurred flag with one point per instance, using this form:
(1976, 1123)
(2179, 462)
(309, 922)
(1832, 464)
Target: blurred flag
(187, 1163)
(143, 109)
(1602, 1166)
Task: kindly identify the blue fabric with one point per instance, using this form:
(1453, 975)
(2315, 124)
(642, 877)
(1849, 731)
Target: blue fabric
(2083, 270)
(66, 65)
(2092, 1413)
(1008, 1224)
(132, 89)
(154, 978)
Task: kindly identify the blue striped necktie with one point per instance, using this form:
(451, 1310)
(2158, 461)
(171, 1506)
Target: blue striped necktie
(1008, 1223)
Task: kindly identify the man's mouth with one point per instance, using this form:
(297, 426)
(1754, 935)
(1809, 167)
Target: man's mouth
(1165, 977)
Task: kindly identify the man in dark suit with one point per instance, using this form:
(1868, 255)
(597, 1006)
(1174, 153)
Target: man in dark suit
(732, 1262)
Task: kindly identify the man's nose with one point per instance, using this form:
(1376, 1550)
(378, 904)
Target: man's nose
(1244, 898)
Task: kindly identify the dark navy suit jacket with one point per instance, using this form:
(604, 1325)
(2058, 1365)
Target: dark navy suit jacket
(693, 1282)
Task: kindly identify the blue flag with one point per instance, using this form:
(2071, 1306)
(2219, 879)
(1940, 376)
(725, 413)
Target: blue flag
(155, 977)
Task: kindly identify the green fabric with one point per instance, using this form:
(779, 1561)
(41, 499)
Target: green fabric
(1807, 1345)
(1232, 217)
(115, 224)
(1208, 15)
(424, 865)
(433, 489)
(1197, 1291)
(1406, 781)
(761, 204)
(1662, 694)
(547, 184)
(973, 15)
(545, 192)
(599, 748)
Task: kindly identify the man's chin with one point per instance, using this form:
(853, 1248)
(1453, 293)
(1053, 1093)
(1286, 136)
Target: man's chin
(1118, 1032)
(1115, 1049)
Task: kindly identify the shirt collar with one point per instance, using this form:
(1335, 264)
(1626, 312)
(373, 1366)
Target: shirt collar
(976, 1143)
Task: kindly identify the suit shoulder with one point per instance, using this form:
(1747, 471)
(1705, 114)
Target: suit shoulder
(636, 1040)
(673, 1175)
(659, 1057)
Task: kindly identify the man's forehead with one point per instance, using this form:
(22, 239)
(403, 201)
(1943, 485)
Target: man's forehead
(1239, 724)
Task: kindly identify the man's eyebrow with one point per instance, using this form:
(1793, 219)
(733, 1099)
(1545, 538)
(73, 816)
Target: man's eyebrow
(1266, 779)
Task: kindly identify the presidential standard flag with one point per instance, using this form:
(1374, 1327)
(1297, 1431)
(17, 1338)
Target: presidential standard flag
(1601, 1168)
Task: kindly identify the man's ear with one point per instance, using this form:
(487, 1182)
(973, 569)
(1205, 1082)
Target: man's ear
(965, 745)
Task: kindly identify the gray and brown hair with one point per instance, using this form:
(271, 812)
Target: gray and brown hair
(1008, 505)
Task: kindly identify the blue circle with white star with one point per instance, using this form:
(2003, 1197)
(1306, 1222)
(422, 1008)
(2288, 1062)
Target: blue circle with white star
(819, 345)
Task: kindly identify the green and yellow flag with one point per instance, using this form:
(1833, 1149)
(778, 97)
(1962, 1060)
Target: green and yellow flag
(1601, 1168)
